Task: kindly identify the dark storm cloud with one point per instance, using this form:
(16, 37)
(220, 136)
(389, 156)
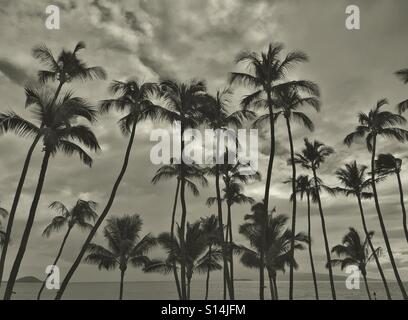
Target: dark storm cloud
(15, 73)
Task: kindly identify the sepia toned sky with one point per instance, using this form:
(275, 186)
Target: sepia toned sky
(185, 39)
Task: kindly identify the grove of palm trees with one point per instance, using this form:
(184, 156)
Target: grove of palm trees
(83, 203)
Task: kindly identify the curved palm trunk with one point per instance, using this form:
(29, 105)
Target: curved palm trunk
(27, 230)
(404, 213)
(231, 256)
(382, 225)
(122, 278)
(364, 273)
(271, 285)
(326, 242)
(17, 195)
(173, 219)
(292, 241)
(14, 206)
(103, 215)
(309, 234)
(370, 243)
(207, 280)
(275, 287)
(266, 196)
(55, 262)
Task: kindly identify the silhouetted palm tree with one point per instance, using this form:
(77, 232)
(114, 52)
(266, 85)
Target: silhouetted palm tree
(134, 99)
(403, 75)
(209, 227)
(124, 247)
(380, 123)
(192, 254)
(58, 133)
(311, 157)
(183, 101)
(268, 72)
(288, 103)
(80, 215)
(354, 252)
(387, 164)
(63, 69)
(278, 247)
(306, 186)
(354, 183)
(3, 214)
(191, 172)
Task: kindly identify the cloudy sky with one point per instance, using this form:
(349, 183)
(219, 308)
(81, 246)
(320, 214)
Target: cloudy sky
(184, 39)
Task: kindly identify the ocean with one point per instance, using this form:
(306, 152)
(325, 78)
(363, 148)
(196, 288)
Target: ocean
(163, 290)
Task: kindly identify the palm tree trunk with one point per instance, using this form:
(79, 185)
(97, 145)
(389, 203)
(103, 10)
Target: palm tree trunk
(382, 225)
(55, 262)
(370, 243)
(326, 242)
(275, 287)
(18, 194)
(183, 215)
(271, 287)
(266, 196)
(366, 283)
(122, 278)
(27, 230)
(309, 235)
(188, 288)
(173, 219)
(207, 280)
(231, 257)
(292, 241)
(15, 204)
(404, 213)
(103, 215)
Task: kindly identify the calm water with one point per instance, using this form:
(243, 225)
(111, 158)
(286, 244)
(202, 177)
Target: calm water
(166, 290)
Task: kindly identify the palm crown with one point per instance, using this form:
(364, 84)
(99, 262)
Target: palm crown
(354, 181)
(313, 155)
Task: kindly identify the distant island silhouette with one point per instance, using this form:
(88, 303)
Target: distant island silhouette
(29, 279)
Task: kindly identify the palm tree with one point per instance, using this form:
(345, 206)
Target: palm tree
(306, 186)
(133, 98)
(191, 172)
(311, 157)
(59, 134)
(354, 252)
(3, 214)
(277, 254)
(209, 227)
(80, 215)
(183, 101)
(403, 76)
(354, 183)
(192, 254)
(124, 246)
(387, 164)
(288, 101)
(268, 73)
(372, 125)
(63, 69)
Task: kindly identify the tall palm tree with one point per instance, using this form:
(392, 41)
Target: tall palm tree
(65, 68)
(311, 158)
(387, 164)
(267, 74)
(134, 98)
(3, 214)
(192, 254)
(278, 251)
(59, 134)
(380, 123)
(80, 215)
(354, 252)
(191, 172)
(125, 246)
(209, 227)
(354, 183)
(183, 102)
(305, 186)
(288, 101)
(403, 76)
